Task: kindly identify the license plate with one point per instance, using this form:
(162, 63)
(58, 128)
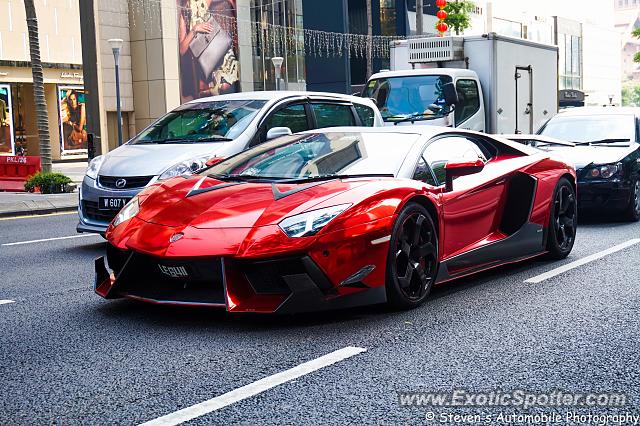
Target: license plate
(174, 271)
(113, 203)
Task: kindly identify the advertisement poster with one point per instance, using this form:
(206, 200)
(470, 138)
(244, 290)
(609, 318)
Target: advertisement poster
(208, 40)
(73, 119)
(6, 121)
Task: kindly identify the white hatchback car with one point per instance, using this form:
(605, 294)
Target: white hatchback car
(185, 139)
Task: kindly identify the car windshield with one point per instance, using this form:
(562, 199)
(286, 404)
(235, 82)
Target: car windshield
(202, 122)
(316, 155)
(593, 128)
(402, 97)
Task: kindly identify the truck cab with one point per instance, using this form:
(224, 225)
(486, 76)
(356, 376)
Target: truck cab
(489, 83)
(418, 97)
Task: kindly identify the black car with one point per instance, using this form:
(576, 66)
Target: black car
(605, 150)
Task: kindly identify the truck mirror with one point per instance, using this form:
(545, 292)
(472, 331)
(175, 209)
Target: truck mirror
(450, 93)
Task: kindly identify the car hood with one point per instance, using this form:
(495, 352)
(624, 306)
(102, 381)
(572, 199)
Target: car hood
(153, 159)
(174, 203)
(581, 156)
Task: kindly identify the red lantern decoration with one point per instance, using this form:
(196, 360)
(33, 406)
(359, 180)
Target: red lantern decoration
(442, 27)
(442, 15)
(441, 3)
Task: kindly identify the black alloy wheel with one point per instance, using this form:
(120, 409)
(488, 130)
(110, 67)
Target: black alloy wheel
(413, 258)
(563, 220)
(633, 211)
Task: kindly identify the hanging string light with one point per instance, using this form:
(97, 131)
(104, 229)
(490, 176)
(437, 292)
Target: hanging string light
(276, 40)
(442, 26)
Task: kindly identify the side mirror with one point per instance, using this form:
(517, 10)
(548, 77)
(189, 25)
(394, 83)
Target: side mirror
(454, 169)
(276, 132)
(450, 94)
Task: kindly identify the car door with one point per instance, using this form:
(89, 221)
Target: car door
(294, 115)
(472, 208)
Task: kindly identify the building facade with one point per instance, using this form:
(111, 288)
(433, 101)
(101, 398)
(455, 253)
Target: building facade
(61, 53)
(626, 20)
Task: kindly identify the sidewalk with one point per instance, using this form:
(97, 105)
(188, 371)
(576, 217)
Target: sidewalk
(75, 170)
(25, 203)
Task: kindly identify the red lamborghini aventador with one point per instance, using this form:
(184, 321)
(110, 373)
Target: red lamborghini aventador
(339, 218)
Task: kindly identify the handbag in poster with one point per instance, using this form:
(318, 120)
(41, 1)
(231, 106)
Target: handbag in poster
(209, 49)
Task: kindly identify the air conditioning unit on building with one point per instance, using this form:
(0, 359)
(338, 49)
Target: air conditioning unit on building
(435, 49)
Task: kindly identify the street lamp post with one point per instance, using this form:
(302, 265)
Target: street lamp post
(116, 45)
(277, 63)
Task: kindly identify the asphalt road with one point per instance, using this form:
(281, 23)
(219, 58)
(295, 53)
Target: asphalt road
(69, 357)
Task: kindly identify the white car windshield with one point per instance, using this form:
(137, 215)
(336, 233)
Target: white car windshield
(216, 121)
(603, 128)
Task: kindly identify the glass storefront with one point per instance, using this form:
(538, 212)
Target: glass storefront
(277, 30)
(570, 66)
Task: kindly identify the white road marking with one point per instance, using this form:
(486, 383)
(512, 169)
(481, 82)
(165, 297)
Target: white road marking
(6, 302)
(254, 388)
(50, 239)
(583, 261)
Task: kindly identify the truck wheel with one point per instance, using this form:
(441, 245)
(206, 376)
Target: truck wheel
(412, 262)
(632, 212)
(563, 221)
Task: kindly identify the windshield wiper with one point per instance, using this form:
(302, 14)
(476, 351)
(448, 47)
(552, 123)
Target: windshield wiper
(422, 117)
(611, 140)
(335, 176)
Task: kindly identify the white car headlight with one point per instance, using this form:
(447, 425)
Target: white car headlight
(94, 166)
(310, 223)
(185, 168)
(130, 210)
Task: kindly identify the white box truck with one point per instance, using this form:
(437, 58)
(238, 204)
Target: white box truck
(502, 84)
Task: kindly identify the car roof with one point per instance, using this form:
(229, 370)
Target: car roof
(270, 95)
(425, 133)
(586, 111)
(428, 131)
(457, 73)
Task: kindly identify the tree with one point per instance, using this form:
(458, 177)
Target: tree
(459, 15)
(369, 40)
(38, 85)
(636, 34)
(631, 95)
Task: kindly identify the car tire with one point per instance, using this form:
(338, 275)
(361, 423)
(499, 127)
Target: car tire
(632, 212)
(412, 263)
(563, 220)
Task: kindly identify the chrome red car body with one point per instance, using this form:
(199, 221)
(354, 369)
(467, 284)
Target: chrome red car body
(481, 224)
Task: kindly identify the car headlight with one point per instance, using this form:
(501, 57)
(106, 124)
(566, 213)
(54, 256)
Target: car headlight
(605, 171)
(310, 223)
(130, 210)
(185, 168)
(94, 167)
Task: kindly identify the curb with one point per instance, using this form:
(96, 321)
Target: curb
(37, 211)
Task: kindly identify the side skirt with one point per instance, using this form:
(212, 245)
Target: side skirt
(527, 242)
